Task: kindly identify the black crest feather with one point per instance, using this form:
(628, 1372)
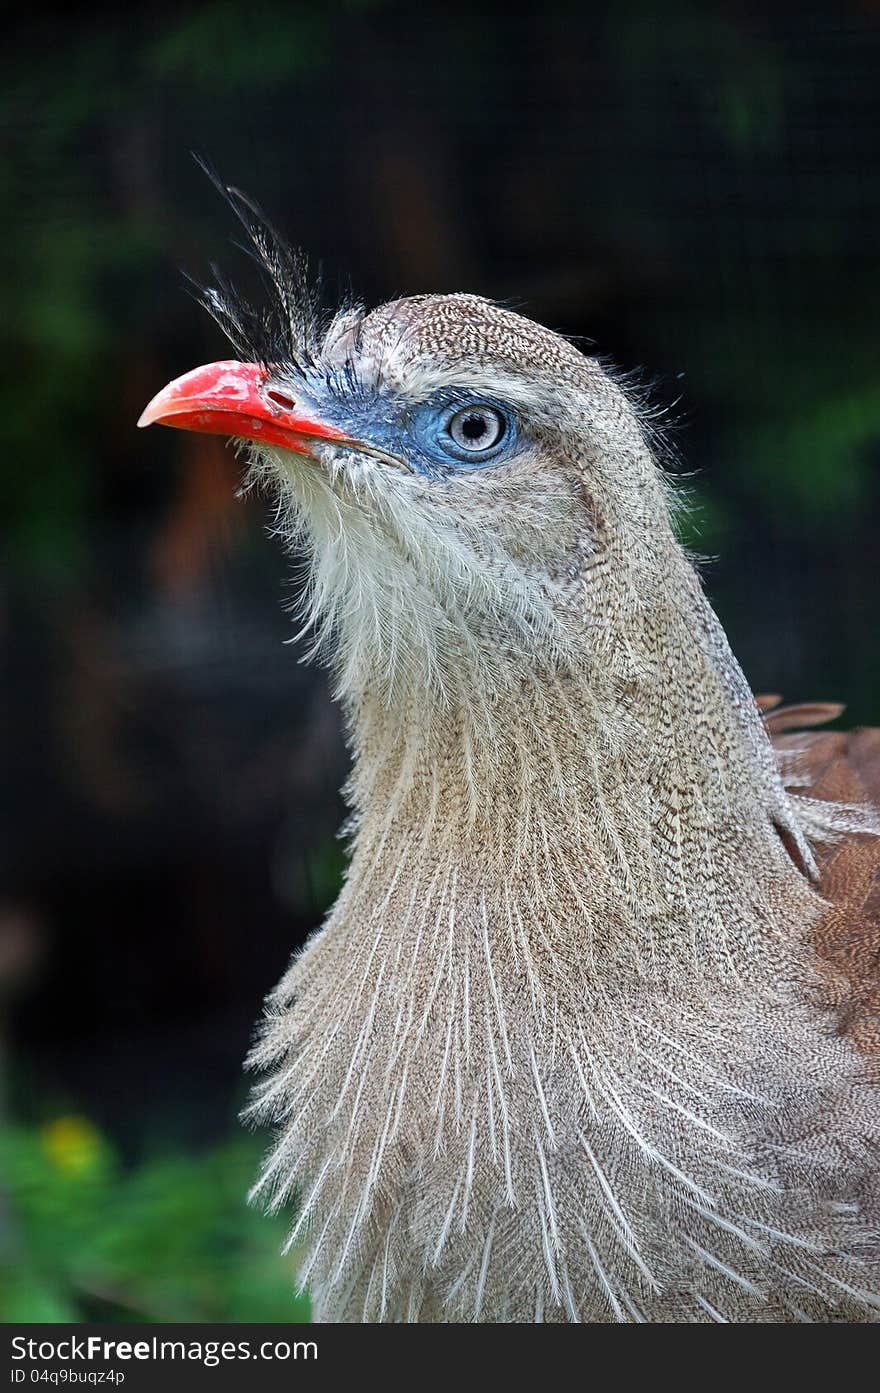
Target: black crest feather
(286, 330)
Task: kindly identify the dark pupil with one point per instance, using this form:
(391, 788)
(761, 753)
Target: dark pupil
(474, 427)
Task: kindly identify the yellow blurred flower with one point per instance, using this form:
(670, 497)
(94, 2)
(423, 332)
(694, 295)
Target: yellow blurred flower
(72, 1144)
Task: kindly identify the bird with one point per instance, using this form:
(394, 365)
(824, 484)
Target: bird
(592, 1031)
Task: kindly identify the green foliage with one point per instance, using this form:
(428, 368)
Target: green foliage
(221, 38)
(820, 457)
(170, 1240)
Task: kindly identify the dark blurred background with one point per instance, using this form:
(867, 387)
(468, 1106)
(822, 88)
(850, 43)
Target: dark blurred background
(694, 188)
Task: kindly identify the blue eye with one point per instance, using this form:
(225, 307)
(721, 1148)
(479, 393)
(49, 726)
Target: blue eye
(471, 433)
(476, 429)
(474, 433)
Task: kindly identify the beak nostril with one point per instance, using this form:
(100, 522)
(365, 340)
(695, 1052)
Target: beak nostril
(286, 403)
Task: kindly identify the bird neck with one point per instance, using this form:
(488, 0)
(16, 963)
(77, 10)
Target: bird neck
(567, 920)
(630, 807)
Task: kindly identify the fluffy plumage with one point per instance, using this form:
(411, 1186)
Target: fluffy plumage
(564, 1048)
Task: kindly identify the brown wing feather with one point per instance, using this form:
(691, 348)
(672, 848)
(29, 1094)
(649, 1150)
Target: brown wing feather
(808, 713)
(844, 766)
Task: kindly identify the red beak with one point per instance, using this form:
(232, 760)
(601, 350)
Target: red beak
(232, 398)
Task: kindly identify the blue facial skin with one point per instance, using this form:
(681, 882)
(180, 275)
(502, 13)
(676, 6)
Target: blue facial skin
(418, 434)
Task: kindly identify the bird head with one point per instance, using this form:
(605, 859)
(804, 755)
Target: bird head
(477, 498)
